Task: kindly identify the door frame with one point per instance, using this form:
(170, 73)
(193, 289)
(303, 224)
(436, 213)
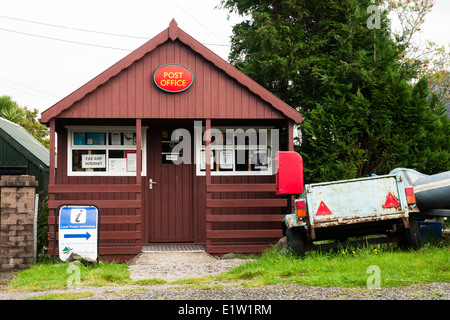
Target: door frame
(179, 221)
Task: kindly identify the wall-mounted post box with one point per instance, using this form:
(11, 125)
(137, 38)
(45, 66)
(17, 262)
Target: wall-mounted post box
(289, 176)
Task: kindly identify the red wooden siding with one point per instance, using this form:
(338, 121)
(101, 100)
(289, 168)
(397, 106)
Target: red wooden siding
(119, 200)
(132, 93)
(239, 220)
(242, 212)
(120, 222)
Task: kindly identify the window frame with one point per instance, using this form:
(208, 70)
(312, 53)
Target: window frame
(107, 147)
(199, 147)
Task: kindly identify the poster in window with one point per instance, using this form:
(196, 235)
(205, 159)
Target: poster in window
(131, 160)
(203, 160)
(91, 161)
(128, 139)
(172, 157)
(226, 159)
(95, 138)
(117, 165)
(116, 138)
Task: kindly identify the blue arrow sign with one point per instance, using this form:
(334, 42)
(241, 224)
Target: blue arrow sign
(78, 230)
(86, 235)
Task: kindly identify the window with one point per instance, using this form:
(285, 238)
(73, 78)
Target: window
(237, 150)
(169, 139)
(103, 151)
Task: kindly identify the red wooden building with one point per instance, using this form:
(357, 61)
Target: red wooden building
(122, 120)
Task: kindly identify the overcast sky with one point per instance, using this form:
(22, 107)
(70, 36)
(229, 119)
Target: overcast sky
(45, 55)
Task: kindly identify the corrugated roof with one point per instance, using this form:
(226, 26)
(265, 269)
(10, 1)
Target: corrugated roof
(25, 139)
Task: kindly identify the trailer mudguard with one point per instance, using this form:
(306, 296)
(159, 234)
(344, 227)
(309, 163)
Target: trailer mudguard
(292, 221)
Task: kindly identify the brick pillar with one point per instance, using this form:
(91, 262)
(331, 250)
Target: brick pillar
(17, 221)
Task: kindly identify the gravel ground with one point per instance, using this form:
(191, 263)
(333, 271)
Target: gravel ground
(230, 291)
(173, 266)
(435, 291)
(176, 268)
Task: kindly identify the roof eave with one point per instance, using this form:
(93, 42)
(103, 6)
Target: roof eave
(173, 32)
(102, 78)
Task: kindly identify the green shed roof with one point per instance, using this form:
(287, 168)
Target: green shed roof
(34, 150)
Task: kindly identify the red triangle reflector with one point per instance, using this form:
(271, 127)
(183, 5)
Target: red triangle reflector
(323, 210)
(391, 202)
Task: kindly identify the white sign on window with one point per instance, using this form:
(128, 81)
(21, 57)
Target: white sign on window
(226, 159)
(131, 161)
(117, 165)
(89, 161)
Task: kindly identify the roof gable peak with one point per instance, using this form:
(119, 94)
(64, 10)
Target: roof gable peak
(173, 30)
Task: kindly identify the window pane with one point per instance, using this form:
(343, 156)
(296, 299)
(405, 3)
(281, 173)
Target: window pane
(115, 138)
(250, 151)
(213, 163)
(129, 138)
(79, 138)
(88, 160)
(168, 156)
(258, 160)
(122, 161)
(242, 160)
(116, 154)
(116, 161)
(96, 138)
(89, 138)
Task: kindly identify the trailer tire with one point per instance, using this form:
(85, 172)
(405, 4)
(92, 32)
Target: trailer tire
(412, 238)
(295, 242)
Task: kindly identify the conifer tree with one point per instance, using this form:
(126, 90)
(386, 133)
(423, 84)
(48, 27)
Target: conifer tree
(336, 63)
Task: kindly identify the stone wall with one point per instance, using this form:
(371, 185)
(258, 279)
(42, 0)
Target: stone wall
(17, 199)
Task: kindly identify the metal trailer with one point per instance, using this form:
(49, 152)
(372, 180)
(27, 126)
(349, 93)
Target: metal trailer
(384, 206)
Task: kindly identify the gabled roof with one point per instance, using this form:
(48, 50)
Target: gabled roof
(26, 144)
(172, 33)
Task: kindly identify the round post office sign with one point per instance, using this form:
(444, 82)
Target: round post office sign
(173, 77)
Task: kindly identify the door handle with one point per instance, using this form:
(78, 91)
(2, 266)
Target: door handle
(150, 184)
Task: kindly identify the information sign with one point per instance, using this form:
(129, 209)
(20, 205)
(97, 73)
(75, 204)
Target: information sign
(78, 231)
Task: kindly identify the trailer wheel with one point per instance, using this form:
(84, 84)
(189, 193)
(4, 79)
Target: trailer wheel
(412, 238)
(295, 243)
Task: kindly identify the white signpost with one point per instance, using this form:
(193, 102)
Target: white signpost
(78, 231)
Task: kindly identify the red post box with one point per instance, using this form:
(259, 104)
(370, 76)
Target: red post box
(289, 176)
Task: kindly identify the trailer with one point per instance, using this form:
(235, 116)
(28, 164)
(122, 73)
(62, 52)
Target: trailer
(384, 206)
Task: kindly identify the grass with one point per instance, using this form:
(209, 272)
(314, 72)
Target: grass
(346, 267)
(343, 268)
(63, 296)
(59, 276)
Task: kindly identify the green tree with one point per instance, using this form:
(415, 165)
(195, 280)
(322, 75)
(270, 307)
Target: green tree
(25, 118)
(9, 109)
(432, 60)
(336, 62)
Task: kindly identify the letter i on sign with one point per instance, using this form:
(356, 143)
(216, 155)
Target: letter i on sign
(78, 216)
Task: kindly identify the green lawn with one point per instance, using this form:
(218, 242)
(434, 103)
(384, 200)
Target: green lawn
(342, 268)
(58, 276)
(347, 268)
